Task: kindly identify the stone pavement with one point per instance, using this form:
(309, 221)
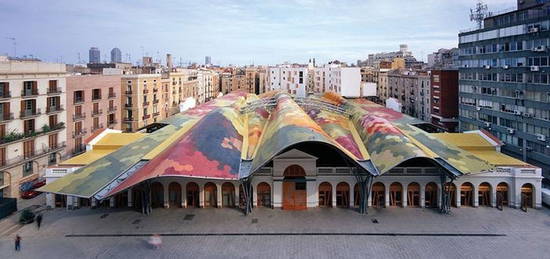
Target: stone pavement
(526, 235)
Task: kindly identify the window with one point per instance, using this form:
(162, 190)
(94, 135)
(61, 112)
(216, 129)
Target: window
(3, 156)
(96, 94)
(52, 86)
(28, 148)
(27, 168)
(52, 141)
(28, 126)
(111, 92)
(2, 130)
(52, 159)
(78, 127)
(78, 96)
(4, 89)
(96, 123)
(30, 88)
(52, 119)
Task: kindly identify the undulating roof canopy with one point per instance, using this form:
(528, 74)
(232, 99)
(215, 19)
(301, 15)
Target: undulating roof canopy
(233, 136)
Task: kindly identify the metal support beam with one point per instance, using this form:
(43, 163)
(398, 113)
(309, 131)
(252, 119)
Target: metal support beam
(364, 179)
(246, 184)
(146, 207)
(445, 194)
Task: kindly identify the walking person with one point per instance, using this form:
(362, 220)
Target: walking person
(38, 221)
(17, 243)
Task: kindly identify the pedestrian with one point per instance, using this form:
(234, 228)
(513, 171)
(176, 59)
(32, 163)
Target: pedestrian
(38, 221)
(17, 243)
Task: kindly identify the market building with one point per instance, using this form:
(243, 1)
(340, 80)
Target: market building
(278, 151)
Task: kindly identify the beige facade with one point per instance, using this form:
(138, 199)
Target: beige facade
(94, 104)
(412, 90)
(32, 120)
(143, 101)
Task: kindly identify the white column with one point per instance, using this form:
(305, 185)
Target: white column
(312, 195)
(334, 195)
(277, 194)
(476, 196)
(69, 202)
(440, 190)
(219, 195)
(387, 196)
(201, 195)
(50, 200)
(404, 193)
(166, 199)
(254, 196)
(352, 196)
(369, 197)
(94, 202)
(112, 202)
(183, 195)
(423, 196)
(493, 196)
(130, 201)
(237, 194)
(457, 196)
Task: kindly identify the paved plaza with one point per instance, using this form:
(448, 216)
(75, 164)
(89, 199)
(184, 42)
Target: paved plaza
(322, 233)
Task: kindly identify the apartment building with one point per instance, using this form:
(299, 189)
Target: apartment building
(94, 104)
(444, 97)
(226, 82)
(290, 78)
(208, 81)
(143, 101)
(335, 78)
(412, 90)
(32, 120)
(504, 81)
(181, 85)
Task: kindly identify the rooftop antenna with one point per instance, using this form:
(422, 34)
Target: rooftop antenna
(14, 45)
(479, 13)
(79, 60)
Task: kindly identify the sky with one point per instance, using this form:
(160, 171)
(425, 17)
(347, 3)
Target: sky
(239, 32)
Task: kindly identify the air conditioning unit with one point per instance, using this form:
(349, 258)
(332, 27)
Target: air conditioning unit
(511, 131)
(487, 124)
(517, 112)
(541, 137)
(505, 66)
(533, 29)
(487, 67)
(478, 108)
(528, 115)
(534, 68)
(540, 49)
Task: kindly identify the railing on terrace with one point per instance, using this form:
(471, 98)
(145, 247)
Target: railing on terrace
(37, 153)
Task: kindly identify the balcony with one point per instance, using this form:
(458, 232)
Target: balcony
(37, 153)
(79, 149)
(100, 126)
(128, 105)
(16, 136)
(54, 109)
(111, 95)
(4, 117)
(5, 95)
(156, 114)
(128, 92)
(29, 93)
(145, 103)
(155, 101)
(29, 113)
(112, 109)
(79, 133)
(97, 112)
(128, 119)
(155, 90)
(145, 91)
(80, 116)
(54, 90)
(112, 122)
(146, 116)
(78, 100)
(96, 98)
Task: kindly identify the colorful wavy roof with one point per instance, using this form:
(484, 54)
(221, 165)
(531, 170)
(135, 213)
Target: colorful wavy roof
(233, 136)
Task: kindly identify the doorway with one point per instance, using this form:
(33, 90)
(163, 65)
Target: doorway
(294, 188)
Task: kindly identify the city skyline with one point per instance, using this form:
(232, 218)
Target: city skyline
(267, 33)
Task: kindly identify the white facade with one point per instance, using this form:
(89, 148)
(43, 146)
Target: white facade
(345, 81)
(293, 79)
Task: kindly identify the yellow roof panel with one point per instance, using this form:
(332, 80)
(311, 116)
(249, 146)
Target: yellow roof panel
(464, 140)
(118, 139)
(498, 159)
(88, 157)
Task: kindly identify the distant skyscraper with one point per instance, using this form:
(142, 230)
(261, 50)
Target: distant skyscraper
(169, 61)
(116, 56)
(207, 60)
(94, 55)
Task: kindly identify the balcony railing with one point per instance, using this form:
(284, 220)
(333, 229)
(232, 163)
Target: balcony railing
(79, 133)
(128, 105)
(128, 92)
(79, 149)
(100, 126)
(6, 94)
(156, 114)
(145, 91)
(112, 109)
(78, 100)
(79, 116)
(29, 113)
(155, 90)
(145, 103)
(155, 101)
(15, 136)
(97, 112)
(6, 116)
(128, 119)
(111, 122)
(54, 90)
(96, 98)
(112, 95)
(52, 109)
(29, 93)
(32, 155)
(146, 116)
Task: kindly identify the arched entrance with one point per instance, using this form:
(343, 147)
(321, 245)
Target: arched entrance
(396, 195)
(121, 199)
(467, 194)
(378, 195)
(325, 195)
(192, 195)
(430, 195)
(157, 195)
(174, 195)
(264, 195)
(228, 195)
(210, 195)
(527, 196)
(294, 188)
(342, 195)
(502, 194)
(484, 194)
(413, 195)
